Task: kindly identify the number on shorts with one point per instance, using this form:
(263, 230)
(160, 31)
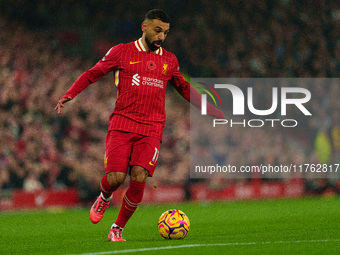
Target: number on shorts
(155, 156)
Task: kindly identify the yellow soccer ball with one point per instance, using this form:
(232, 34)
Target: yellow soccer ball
(173, 224)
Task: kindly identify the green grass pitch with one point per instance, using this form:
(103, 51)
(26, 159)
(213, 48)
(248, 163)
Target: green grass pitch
(296, 226)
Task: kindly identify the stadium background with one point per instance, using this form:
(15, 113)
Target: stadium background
(46, 45)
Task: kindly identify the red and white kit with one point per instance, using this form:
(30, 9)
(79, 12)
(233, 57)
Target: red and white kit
(141, 78)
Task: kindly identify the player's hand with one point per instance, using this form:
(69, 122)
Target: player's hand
(61, 103)
(219, 114)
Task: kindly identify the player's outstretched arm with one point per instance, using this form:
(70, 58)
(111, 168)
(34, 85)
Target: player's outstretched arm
(83, 81)
(61, 103)
(194, 97)
(190, 94)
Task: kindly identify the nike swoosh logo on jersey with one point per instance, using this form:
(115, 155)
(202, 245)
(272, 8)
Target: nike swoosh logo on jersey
(132, 63)
(150, 163)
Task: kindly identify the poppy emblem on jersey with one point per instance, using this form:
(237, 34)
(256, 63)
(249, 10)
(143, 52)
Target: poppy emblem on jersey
(151, 65)
(165, 66)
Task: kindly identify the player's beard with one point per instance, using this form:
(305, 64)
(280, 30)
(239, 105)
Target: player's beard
(152, 45)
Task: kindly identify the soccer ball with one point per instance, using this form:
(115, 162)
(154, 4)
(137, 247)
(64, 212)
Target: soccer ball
(173, 224)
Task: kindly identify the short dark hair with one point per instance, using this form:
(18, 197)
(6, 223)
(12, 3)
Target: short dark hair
(157, 14)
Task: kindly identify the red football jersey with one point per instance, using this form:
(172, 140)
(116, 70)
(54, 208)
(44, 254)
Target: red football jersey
(141, 78)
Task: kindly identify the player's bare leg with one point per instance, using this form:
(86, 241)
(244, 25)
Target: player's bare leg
(131, 200)
(109, 183)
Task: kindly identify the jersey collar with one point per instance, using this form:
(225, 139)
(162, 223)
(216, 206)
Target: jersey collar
(140, 47)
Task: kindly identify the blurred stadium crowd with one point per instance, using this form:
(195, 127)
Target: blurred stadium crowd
(46, 45)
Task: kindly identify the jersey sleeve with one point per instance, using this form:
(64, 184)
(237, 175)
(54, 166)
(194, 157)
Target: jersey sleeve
(107, 64)
(190, 94)
(111, 61)
(178, 81)
(90, 76)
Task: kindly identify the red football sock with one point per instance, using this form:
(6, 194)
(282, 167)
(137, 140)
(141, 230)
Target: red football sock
(132, 198)
(106, 188)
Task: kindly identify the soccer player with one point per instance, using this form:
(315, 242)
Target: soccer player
(141, 71)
